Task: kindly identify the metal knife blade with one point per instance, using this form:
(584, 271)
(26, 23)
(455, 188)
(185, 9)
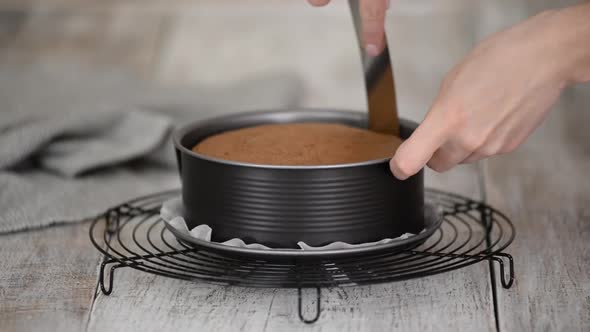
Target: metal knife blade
(379, 82)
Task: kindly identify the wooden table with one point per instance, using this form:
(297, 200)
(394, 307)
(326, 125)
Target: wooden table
(48, 277)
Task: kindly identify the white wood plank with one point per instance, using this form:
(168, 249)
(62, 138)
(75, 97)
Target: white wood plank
(47, 279)
(456, 300)
(453, 301)
(544, 187)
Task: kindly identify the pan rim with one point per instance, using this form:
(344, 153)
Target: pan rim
(181, 132)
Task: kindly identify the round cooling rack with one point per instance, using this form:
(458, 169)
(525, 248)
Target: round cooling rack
(467, 232)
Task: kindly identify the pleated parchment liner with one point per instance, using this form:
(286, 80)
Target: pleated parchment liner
(173, 213)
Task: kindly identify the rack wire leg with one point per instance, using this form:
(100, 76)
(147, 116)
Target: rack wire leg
(505, 283)
(318, 306)
(107, 290)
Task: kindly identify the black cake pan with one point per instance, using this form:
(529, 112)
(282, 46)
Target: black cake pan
(280, 205)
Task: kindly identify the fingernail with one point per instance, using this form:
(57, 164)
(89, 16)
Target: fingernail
(396, 172)
(371, 50)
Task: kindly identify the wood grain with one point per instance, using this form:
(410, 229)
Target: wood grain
(456, 300)
(544, 188)
(453, 301)
(47, 279)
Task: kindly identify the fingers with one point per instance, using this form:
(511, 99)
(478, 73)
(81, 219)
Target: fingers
(318, 3)
(474, 157)
(447, 138)
(416, 151)
(506, 138)
(499, 144)
(447, 156)
(372, 14)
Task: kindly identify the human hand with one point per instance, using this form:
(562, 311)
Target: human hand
(372, 13)
(492, 101)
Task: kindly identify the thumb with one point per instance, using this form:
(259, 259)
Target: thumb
(318, 3)
(413, 154)
(372, 14)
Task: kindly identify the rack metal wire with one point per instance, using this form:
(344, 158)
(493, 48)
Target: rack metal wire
(133, 235)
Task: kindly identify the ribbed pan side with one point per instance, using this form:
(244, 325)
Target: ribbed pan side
(279, 207)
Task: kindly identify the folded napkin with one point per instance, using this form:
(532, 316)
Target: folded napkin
(75, 141)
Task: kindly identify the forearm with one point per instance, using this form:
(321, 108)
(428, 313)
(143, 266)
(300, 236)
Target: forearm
(569, 36)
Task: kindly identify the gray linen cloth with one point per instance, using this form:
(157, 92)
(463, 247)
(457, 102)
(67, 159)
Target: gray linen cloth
(75, 141)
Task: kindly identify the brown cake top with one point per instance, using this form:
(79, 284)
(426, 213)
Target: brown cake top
(300, 144)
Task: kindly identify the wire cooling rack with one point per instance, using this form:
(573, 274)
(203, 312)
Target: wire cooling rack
(133, 235)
